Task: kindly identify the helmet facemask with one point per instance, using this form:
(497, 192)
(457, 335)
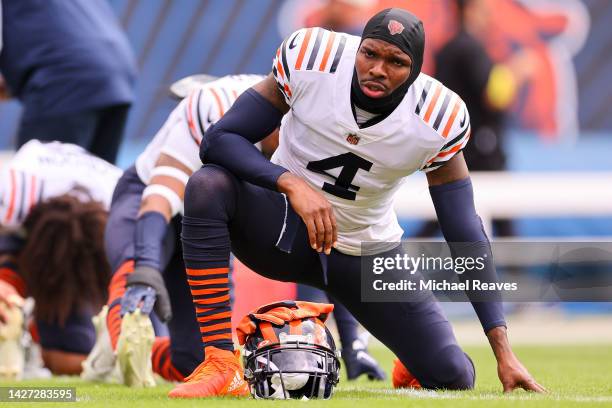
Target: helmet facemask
(294, 368)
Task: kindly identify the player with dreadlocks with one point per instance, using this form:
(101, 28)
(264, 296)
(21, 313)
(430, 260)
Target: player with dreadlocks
(53, 214)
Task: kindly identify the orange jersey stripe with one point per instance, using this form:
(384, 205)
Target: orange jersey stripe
(192, 128)
(205, 272)
(218, 101)
(9, 212)
(433, 102)
(298, 63)
(451, 119)
(279, 66)
(454, 149)
(328, 47)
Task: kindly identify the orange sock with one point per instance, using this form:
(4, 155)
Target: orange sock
(115, 293)
(210, 292)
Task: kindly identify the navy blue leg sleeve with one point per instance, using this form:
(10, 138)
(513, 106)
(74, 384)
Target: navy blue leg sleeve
(345, 322)
(185, 343)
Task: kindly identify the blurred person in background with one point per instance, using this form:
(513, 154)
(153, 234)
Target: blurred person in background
(346, 16)
(70, 65)
(488, 89)
(53, 210)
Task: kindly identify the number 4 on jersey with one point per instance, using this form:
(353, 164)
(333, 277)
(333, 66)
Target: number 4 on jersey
(350, 164)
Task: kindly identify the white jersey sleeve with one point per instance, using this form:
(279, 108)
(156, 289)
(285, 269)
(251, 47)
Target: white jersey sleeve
(446, 114)
(307, 50)
(182, 133)
(40, 171)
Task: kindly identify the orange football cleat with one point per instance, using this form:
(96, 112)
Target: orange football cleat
(402, 378)
(219, 374)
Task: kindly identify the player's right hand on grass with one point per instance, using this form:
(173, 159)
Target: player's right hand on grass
(513, 374)
(314, 209)
(145, 290)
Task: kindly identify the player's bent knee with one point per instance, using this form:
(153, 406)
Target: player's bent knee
(211, 188)
(455, 370)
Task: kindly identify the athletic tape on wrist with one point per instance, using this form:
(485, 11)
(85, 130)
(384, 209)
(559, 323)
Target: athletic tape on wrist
(176, 204)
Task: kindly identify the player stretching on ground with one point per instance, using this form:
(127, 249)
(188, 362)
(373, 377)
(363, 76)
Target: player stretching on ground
(358, 118)
(54, 207)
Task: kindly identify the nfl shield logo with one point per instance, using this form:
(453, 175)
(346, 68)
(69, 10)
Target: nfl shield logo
(352, 138)
(395, 27)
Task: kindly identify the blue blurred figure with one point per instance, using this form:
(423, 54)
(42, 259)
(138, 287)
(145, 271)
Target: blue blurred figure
(70, 65)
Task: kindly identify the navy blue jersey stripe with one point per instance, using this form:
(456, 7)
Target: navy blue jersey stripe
(339, 52)
(284, 59)
(41, 191)
(423, 97)
(198, 113)
(227, 97)
(21, 213)
(435, 165)
(442, 111)
(455, 140)
(315, 49)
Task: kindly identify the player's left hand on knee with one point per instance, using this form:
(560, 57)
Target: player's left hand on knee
(314, 209)
(513, 374)
(145, 290)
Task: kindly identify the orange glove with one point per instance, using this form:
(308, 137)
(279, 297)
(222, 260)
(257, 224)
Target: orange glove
(279, 313)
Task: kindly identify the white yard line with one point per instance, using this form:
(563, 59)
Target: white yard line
(425, 394)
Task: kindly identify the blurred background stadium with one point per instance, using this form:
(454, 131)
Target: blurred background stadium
(558, 132)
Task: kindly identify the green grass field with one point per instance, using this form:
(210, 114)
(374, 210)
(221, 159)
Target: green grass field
(575, 376)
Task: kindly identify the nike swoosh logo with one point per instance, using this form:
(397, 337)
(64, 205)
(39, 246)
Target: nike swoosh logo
(292, 44)
(463, 120)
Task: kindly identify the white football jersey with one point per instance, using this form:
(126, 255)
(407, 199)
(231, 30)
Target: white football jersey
(40, 171)
(181, 134)
(359, 170)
